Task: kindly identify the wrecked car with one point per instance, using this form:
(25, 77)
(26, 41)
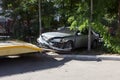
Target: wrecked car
(65, 39)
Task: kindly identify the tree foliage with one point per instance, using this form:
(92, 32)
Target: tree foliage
(105, 13)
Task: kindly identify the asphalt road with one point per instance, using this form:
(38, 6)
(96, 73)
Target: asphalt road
(47, 68)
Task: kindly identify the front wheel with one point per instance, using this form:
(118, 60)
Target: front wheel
(69, 45)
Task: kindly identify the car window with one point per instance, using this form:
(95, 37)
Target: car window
(66, 30)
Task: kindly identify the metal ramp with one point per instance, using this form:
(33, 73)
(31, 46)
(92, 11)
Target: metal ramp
(17, 47)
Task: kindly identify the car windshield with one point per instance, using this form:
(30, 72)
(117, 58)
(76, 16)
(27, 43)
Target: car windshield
(66, 30)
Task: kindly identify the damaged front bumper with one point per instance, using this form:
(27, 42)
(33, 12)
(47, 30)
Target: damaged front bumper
(57, 46)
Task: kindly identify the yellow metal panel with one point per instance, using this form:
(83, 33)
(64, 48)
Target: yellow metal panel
(17, 47)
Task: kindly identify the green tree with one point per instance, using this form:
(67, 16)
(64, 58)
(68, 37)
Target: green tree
(65, 9)
(21, 10)
(104, 14)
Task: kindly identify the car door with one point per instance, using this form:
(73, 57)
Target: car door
(81, 40)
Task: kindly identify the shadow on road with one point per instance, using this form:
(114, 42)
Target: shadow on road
(11, 66)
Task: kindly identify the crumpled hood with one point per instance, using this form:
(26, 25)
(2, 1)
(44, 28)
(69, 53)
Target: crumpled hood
(50, 35)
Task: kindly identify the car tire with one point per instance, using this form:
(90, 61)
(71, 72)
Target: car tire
(69, 45)
(94, 44)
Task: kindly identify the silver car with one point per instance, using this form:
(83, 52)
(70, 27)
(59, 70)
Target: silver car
(65, 39)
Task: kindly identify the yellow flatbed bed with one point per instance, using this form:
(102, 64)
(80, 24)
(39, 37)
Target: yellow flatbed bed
(17, 47)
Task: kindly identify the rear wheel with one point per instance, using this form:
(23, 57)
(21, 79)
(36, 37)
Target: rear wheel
(94, 44)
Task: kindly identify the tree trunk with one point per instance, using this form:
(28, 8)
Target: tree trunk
(118, 30)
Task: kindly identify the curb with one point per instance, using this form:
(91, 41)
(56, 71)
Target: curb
(85, 57)
(109, 57)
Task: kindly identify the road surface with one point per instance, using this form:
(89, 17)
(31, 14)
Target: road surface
(47, 68)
